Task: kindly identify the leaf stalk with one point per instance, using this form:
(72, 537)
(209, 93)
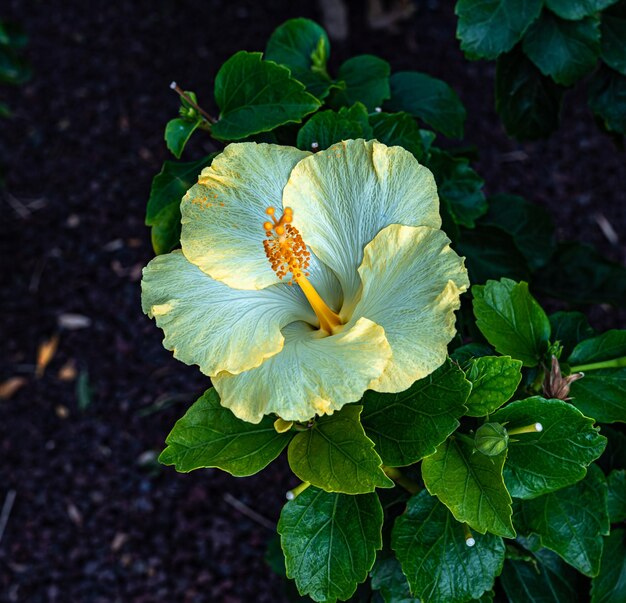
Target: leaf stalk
(594, 366)
(402, 480)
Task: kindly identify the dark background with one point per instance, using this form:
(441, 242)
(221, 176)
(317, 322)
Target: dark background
(95, 520)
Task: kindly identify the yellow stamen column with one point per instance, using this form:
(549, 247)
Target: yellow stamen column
(287, 253)
(328, 319)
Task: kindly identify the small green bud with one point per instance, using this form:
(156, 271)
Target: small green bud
(555, 349)
(491, 439)
(188, 113)
(318, 58)
(188, 110)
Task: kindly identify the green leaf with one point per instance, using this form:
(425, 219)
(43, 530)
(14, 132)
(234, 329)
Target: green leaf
(274, 556)
(257, 96)
(5, 112)
(439, 566)
(14, 69)
(614, 456)
(571, 521)
(527, 101)
(609, 345)
(577, 9)
(330, 541)
(398, 129)
(511, 320)
(12, 34)
(544, 580)
(429, 99)
(365, 80)
(459, 187)
(609, 586)
(328, 127)
(487, 28)
(564, 50)
(166, 227)
(209, 435)
(470, 484)
(529, 224)
(573, 264)
(613, 28)
(494, 381)
(177, 134)
(601, 394)
(607, 99)
(569, 328)
(616, 482)
(467, 352)
(336, 455)
(556, 457)
(302, 46)
(408, 426)
(491, 253)
(163, 210)
(390, 582)
(428, 137)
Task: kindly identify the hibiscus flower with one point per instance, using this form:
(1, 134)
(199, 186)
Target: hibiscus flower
(306, 279)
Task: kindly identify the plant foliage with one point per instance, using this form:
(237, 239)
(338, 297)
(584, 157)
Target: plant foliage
(485, 470)
(541, 50)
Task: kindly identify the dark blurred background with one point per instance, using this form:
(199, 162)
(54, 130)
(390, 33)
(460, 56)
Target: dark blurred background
(92, 517)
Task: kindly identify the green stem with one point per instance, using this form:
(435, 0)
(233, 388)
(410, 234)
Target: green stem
(402, 480)
(469, 538)
(594, 366)
(534, 428)
(300, 427)
(465, 438)
(291, 494)
(209, 118)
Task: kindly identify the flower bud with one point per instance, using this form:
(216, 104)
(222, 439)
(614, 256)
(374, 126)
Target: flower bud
(491, 439)
(188, 113)
(555, 385)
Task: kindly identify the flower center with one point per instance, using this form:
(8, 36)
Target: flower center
(288, 254)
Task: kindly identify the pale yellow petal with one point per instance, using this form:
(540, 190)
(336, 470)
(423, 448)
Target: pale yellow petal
(311, 375)
(412, 281)
(223, 215)
(343, 196)
(207, 323)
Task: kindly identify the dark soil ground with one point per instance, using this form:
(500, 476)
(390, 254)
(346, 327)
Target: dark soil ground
(94, 519)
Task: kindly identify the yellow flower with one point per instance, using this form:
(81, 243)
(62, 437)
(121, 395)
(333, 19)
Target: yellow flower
(304, 280)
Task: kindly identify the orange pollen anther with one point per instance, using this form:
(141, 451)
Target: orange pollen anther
(284, 246)
(287, 254)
